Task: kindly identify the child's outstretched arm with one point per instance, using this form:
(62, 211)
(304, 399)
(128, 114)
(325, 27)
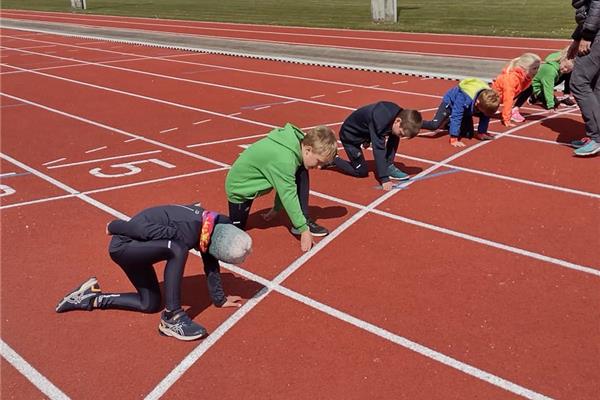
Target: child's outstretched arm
(215, 287)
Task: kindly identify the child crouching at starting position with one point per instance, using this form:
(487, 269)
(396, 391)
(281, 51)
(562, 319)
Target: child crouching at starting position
(515, 79)
(281, 161)
(472, 97)
(380, 125)
(555, 70)
(165, 233)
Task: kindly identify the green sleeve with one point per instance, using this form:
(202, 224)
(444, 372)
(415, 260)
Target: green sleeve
(283, 179)
(548, 91)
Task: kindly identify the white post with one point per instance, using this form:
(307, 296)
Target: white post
(384, 10)
(80, 4)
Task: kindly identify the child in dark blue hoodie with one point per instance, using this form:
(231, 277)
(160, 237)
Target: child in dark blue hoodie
(472, 97)
(381, 125)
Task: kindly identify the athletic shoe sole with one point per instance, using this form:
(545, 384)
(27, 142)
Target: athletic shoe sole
(316, 234)
(404, 178)
(91, 284)
(165, 331)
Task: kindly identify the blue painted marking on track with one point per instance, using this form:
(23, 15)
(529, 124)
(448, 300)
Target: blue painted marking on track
(403, 184)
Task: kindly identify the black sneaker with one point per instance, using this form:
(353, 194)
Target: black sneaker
(81, 298)
(315, 229)
(180, 326)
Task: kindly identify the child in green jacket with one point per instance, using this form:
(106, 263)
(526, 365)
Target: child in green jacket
(555, 69)
(281, 161)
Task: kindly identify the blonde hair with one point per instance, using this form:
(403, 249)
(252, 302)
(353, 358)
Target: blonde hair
(411, 122)
(526, 61)
(322, 140)
(489, 101)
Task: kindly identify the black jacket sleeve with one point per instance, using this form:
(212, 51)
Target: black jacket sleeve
(142, 230)
(380, 125)
(213, 279)
(587, 15)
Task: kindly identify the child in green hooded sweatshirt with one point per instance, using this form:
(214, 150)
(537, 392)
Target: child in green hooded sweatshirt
(281, 161)
(555, 70)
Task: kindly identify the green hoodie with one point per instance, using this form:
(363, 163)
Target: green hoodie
(546, 78)
(270, 163)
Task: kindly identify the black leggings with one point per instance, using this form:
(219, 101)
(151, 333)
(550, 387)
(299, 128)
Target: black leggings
(357, 165)
(442, 115)
(523, 96)
(137, 259)
(238, 212)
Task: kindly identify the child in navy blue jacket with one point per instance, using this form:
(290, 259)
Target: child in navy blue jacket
(472, 97)
(165, 233)
(380, 125)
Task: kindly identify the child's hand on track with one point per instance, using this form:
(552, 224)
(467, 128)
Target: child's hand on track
(455, 142)
(232, 301)
(387, 185)
(306, 240)
(508, 124)
(269, 215)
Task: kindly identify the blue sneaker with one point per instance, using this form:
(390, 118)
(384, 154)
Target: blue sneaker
(395, 173)
(592, 147)
(580, 142)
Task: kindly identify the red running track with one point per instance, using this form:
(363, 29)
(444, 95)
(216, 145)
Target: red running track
(483, 47)
(481, 283)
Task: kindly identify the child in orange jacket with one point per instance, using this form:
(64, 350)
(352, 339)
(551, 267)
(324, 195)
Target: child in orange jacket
(515, 78)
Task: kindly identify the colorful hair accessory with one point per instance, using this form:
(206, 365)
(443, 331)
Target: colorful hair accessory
(209, 219)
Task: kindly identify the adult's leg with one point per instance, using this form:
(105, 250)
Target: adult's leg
(583, 84)
(357, 166)
(440, 119)
(238, 213)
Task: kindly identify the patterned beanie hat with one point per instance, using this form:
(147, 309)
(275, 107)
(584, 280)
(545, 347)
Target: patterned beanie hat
(229, 244)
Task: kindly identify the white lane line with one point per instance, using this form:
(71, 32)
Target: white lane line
(170, 58)
(104, 159)
(189, 360)
(38, 380)
(54, 161)
(234, 114)
(169, 77)
(262, 108)
(168, 130)
(506, 177)
(124, 186)
(7, 174)
(110, 128)
(497, 381)
(345, 91)
(201, 122)
(398, 82)
(131, 140)
(317, 96)
(139, 96)
(96, 149)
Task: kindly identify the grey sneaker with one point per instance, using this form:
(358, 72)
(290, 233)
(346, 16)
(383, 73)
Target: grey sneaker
(315, 229)
(80, 298)
(395, 173)
(179, 325)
